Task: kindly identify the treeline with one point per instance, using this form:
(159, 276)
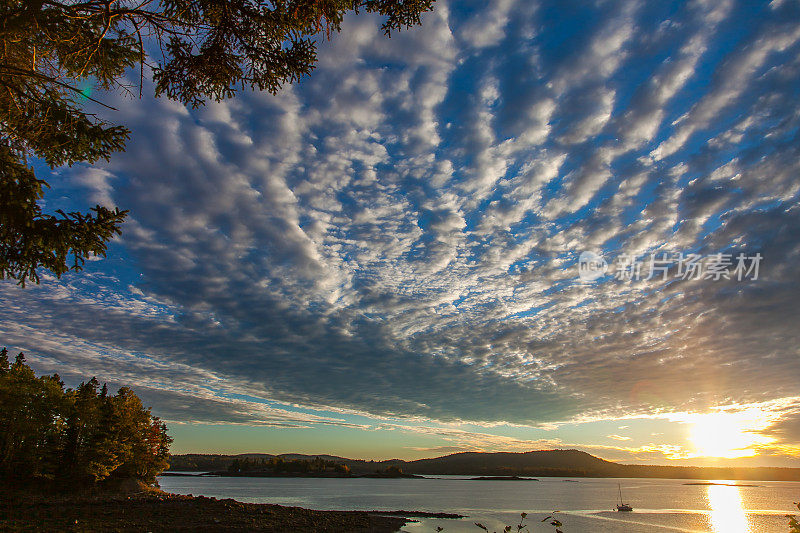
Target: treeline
(279, 465)
(196, 462)
(79, 436)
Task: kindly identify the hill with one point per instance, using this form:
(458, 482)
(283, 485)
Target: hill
(543, 463)
(534, 463)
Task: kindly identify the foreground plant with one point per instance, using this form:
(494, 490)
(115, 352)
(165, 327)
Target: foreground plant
(519, 527)
(554, 522)
(794, 524)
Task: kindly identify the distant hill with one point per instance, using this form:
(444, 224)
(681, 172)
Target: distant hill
(555, 463)
(535, 463)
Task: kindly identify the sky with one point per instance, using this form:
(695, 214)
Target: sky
(384, 260)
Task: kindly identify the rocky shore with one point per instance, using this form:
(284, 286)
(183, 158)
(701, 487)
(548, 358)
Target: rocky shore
(156, 511)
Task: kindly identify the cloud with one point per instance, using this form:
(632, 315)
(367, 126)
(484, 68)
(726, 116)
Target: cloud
(397, 236)
(472, 441)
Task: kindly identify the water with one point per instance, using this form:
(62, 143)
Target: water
(583, 505)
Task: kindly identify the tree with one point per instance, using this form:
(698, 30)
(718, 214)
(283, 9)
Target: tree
(29, 421)
(79, 436)
(206, 48)
(90, 451)
(394, 470)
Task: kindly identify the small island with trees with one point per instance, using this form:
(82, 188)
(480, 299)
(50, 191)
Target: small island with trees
(315, 466)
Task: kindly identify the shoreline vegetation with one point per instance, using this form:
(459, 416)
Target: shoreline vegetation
(77, 439)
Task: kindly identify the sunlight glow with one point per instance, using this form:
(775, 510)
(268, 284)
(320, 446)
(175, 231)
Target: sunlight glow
(730, 434)
(727, 513)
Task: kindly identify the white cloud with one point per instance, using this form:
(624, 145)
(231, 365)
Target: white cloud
(398, 234)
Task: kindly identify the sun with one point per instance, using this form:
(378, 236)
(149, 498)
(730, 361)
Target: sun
(730, 434)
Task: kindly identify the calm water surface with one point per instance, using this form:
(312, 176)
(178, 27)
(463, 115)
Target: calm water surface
(583, 505)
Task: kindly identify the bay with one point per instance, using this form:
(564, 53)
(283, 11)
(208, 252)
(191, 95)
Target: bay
(582, 505)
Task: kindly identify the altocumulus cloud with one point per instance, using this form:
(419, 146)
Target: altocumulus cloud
(397, 236)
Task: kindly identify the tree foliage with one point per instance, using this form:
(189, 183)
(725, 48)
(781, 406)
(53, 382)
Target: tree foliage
(203, 49)
(279, 465)
(79, 435)
(30, 239)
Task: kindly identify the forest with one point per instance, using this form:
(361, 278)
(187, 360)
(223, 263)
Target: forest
(279, 465)
(79, 437)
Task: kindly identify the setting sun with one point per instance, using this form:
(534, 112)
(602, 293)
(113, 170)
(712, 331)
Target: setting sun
(729, 434)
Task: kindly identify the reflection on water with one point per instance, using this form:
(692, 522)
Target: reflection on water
(661, 505)
(727, 514)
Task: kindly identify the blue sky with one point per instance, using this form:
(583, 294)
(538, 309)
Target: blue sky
(382, 260)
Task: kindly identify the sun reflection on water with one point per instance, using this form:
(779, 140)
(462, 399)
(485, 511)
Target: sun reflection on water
(727, 513)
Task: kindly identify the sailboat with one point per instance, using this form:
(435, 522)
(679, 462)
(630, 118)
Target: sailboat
(621, 506)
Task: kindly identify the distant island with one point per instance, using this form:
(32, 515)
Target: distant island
(544, 463)
(289, 466)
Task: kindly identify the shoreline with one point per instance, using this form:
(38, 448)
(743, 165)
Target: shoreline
(154, 510)
(322, 475)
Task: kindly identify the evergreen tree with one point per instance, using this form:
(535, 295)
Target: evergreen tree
(30, 425)
(78, 436)
(90, 450)
(51, 48)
